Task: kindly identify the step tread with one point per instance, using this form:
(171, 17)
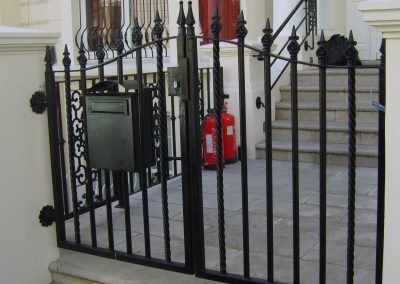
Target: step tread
(93, 269)
(315, 88)
(340, 71)
(313, 147)
(331, 125)
(364, 106)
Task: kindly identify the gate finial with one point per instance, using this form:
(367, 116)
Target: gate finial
(293, 46)
(82, 57)
(158, 28)
(190, 21)
(137, 36)
(66, 60)
(322, 52)
(241, 30)
(351, 51)
(267, 39)
(181, 18)
(216, 25)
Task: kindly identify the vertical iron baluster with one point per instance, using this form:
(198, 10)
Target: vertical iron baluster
(322, 53)
(127, 209)
(110, 227)
(218, 103)
(120, 48)
(61, 142)
(241, 33)
(351, 55)
(54, 141)
(71, 143)
(193, 136)
(137, 41)
(100, 185)
(158, 31)
(381, 169)
(173, 130)
(89, 184)
(267, 42)
(100, 54)
(294, 49)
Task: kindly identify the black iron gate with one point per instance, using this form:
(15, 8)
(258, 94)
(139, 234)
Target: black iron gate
(91, 201)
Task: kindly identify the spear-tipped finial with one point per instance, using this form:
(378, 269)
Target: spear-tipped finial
(293, 46)
(47, 57)
(322, 52)
(158, 28)
(267, 39)
(137, 33)
(241, 30)
(216, 25)
(351, 52)
(157, 18)
(351, 38)
(181, 18)
(66, 60)
(190, 21)
(322, 37)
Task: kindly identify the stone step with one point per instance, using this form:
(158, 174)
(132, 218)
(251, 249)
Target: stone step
(78, 268)
(337, 132)
(338, 78)
(337, 154)
(333, 94)
(365, 112)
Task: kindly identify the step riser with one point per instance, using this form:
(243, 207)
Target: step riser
(339, 137)
(68, 279)
(339, 80)
(333, 96)
(331, 115)
(332, 159)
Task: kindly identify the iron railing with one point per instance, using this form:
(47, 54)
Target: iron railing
(75, 181)
(104, 24)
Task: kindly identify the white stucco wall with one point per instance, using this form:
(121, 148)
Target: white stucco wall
(26, 247)
(9, 13)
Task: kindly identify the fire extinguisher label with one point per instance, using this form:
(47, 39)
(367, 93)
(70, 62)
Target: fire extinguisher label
(229, 130)
(209, 144)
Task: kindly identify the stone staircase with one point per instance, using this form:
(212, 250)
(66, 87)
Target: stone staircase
(308, 111)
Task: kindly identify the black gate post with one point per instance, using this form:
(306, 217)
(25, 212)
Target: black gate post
(54, 148)
(191, 143)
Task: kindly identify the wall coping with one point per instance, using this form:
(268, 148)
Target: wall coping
(17, 40)
(382, 15)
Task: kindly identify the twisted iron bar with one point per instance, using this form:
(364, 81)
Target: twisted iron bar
(218, 101)
(158, 31)
(71, 142)
(351, 55)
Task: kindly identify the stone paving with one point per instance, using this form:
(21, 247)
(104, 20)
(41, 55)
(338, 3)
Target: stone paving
(283, 222)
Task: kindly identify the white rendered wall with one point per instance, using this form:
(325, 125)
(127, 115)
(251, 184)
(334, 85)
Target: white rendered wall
(384, 16)
(26, 247)
(9, 13)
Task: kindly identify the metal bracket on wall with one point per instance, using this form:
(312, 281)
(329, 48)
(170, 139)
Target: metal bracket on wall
(259, 103)
(47, 215)
(38, 102)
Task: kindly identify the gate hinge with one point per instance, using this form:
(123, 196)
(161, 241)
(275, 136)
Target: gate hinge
(47, 215)
(38, 102)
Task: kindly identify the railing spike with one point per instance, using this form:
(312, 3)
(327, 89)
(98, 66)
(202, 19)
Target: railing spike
(157, 17)
(322, 37)
(351, 38)
(293, 31)
(267, 25)
(190, 21)
(181, 18)
(241, 30)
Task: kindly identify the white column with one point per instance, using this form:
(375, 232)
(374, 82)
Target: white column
(26, 247)
(384, 16)
(282, 9)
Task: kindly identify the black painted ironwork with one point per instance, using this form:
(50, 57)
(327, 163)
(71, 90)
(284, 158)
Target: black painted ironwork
(38, 102)
(267, 41)
(89, 189)
(47, 215)
(351, 55)
(380, 230)
(322, 60)
(294, 49)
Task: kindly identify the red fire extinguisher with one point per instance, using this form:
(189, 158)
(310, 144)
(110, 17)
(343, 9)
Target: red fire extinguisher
(210, 140)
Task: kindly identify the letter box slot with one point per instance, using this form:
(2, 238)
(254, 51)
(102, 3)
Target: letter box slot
(109, 107)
